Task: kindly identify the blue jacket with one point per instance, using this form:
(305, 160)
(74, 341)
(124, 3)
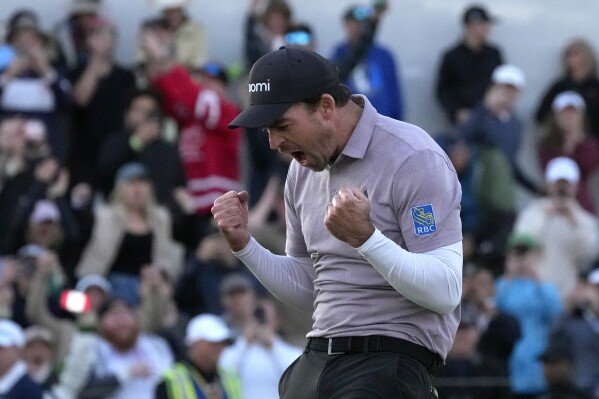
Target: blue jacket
(536, 305)
(376, 77)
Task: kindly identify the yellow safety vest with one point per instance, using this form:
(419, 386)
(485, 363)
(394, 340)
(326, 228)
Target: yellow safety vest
(180, 378)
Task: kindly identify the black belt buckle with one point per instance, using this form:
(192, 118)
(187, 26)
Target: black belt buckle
(330, 348)
(343, 345)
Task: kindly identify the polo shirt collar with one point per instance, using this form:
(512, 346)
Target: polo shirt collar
(360, 137)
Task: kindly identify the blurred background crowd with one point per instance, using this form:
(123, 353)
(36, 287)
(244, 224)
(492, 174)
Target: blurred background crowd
(114, 282)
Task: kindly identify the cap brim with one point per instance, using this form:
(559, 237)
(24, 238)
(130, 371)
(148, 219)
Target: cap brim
(190, 340)
(259, 115)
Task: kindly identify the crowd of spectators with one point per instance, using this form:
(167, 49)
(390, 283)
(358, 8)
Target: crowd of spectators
(114, 282)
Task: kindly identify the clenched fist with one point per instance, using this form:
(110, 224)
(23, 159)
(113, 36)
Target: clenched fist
(348, 217)
(230, 212)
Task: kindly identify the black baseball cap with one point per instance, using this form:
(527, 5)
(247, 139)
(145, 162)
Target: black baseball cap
(477, 13)
(281, 78)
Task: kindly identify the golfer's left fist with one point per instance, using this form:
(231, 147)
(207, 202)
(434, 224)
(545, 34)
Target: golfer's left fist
(347, 217)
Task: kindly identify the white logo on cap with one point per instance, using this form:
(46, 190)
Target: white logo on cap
(254, 87)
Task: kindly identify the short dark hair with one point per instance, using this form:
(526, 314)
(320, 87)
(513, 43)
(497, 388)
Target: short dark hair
(24, 19)
(340, 93)
(156, 23)
(134, 94)
(137, 93)
(110, 303)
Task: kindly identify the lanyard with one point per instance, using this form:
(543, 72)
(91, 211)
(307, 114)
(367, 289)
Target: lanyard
(197, 380)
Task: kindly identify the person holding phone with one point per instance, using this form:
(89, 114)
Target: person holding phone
(260, 354)
(364, 65)
(189, 44)
(566, 134)
(142, 141)
(31, 86)
(87, 295)
(100, 88)
(568, 232)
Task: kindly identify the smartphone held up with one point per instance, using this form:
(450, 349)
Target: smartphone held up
(75, 301)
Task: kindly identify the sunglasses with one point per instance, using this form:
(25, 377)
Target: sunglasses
(299, 38)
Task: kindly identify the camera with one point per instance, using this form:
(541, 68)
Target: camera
(561, 192)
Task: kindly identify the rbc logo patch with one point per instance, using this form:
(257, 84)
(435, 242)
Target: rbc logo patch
(424, 220)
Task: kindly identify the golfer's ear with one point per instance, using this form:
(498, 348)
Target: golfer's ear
(327, 105)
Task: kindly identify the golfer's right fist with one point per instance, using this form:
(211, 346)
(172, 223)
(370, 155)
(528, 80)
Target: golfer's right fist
(230, 212)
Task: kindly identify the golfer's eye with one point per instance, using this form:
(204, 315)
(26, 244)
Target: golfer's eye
(277, 128)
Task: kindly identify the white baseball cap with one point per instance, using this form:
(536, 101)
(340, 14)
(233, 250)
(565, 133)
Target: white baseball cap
(38, 333)
(509, 75)
(93, 280)
(562, 168)
(30, 251)
(568, 99)
(166, 4)
(11, 334)
(45, 211)
(207, 327)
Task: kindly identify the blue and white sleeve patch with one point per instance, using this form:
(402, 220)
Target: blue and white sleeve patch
(424, 220)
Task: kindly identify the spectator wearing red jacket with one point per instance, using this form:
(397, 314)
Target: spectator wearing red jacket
(208, 149)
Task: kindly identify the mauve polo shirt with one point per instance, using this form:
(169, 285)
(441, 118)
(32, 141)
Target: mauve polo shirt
(415, 201)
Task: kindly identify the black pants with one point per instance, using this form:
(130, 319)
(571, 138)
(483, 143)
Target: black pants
(384, 375)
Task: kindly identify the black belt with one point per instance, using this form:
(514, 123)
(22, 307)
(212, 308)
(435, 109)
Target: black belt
(376, 343)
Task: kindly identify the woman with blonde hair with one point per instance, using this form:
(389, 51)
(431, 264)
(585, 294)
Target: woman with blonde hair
(131, 233)
(579, 75)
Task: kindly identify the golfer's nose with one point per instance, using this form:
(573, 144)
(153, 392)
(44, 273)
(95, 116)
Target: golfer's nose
(275, 141)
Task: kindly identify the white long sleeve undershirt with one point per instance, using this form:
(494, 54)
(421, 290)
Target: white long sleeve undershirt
(290, 279)
(431, 279)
